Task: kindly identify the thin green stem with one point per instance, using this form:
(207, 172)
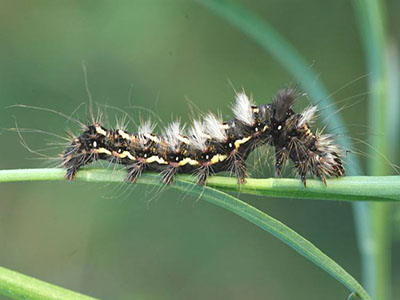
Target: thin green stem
(226, 201)
(18, 286)
(350, 188)
(376, 243)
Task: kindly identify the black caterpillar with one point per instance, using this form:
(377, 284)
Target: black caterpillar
(211, 146)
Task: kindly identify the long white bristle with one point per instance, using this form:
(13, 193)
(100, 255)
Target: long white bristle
(213, 127)
(242, 109)
(172, 133)
(146, 128)
(307, 115)
(198, 136)
(326, 143)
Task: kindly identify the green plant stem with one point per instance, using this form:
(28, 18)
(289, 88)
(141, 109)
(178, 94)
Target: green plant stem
(19, 286)
(376, 242)
(350, 188)
(226, 201)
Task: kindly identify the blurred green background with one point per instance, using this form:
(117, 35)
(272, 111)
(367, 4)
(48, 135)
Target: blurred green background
(115, 242)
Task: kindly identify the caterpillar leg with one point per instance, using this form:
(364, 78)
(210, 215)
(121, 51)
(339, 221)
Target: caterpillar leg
(240, 170)
(73, 159)
(134, 171)
(202, 175)
(303, 179)
(327, 166)
(280, 157)
(168, 175)
(317, 172)
(302, 169)
(323, 179)
(327, 160)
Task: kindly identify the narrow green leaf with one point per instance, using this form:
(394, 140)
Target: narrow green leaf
(18, 286)
(283, 233)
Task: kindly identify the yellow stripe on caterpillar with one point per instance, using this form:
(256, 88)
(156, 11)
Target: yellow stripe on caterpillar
(100, 130)
(127, 154)
(162, 161)
(124, 135)
(156, 159)
(307, 130)
(242, 141)
(189, 161)
(218, 158)
(102, 151)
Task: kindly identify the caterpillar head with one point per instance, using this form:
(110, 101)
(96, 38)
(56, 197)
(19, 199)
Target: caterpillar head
(281, 110)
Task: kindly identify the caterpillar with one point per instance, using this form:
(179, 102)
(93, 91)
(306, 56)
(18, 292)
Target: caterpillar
(212, 145)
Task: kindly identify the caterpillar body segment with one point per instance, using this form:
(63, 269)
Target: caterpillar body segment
(93, 144)
(211, 145)
(294, 140)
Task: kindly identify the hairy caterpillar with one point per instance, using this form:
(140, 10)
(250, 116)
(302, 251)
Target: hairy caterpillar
(210, 145)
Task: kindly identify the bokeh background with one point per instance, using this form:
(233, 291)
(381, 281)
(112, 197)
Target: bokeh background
(170, 57)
